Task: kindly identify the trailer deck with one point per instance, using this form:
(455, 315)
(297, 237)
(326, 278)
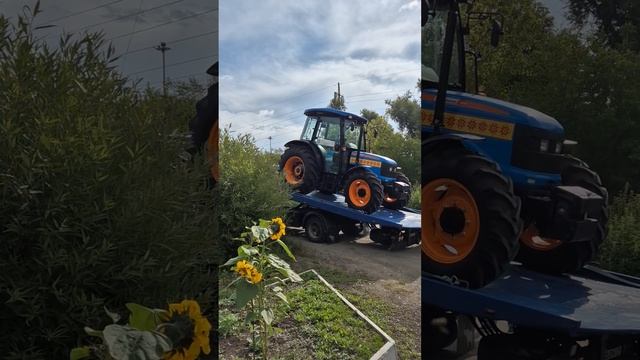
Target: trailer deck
(596, 301)
(334, 203)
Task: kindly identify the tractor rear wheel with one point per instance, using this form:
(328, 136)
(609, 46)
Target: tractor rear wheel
(301, 168)
(363, 191)
(394, 203)
(470, 215)
(554, 256)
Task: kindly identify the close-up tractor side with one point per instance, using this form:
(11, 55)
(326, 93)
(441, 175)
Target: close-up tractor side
(331, 157)
(497, 182)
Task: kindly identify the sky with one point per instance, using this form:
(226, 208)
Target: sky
(189, 27)
(279, 57)
(273, 67)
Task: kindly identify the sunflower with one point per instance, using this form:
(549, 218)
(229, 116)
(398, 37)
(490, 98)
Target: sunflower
(278, 225)
(188, 330)
(248, 271)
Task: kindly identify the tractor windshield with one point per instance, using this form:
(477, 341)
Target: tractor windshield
(433, 35)
(309, 128)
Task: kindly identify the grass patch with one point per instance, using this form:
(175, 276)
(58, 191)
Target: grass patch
(315, 325)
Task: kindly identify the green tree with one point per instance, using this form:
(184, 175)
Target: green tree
(405, 111)
(369, 114)
(337, 102)
(617, 21)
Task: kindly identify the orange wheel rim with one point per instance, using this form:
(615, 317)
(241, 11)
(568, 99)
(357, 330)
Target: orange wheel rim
(294, 170)
(359, 193)
(450, 221)
(532, 239)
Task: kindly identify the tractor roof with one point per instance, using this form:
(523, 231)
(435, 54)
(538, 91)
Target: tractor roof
(335, 113)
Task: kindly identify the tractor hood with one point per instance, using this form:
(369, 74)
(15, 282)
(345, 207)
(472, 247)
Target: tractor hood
(375, 158)
(494, 109)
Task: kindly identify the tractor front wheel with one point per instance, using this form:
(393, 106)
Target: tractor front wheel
(363, 191)
(554, 256)
(470, 215)
(301, 169)
(395, 203)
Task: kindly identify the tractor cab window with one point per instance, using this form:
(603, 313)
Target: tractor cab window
(352, 134)
(328, 132)
(309, 128)
(433, 36)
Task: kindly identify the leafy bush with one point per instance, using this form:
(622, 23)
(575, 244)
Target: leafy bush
(250, 187)
(621, 251)
(96, 208)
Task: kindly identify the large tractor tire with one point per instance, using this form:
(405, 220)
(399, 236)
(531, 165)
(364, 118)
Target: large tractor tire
(470, 215)
(319, 229)
(554, 256)
(394, 203)
(363, 190)
(301, 168)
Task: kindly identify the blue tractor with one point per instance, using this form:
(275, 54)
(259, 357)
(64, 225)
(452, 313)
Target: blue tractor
(497, 183)
(331, 157)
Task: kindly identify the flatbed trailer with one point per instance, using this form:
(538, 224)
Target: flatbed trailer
(323, 216)
(591, 315)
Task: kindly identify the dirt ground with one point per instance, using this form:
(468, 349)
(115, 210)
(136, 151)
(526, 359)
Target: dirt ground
(370, 271)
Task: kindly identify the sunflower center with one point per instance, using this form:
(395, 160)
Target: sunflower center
(180, 330)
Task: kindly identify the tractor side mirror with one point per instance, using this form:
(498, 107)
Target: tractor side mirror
(496, 32)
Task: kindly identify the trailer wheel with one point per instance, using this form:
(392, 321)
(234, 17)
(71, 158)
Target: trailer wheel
(319, 229)
(470, 218)
(354, 229)
(301, 169)
(440, 329)
(394, 203)
(553, 256)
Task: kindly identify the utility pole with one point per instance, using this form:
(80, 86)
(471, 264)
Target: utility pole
(270, 144)
(163, 47)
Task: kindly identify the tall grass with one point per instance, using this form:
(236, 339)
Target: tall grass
(621, 250)
(95, 209)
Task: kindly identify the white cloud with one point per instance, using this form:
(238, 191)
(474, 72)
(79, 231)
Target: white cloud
(413, 5)
(286, 56)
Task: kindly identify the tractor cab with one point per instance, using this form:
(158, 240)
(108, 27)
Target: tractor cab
(341, 136)
(331, 157)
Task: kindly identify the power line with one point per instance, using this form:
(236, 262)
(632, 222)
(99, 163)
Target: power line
(170, 42)
(84, 11)
(173, 64)
(130, 15)
(165, 23)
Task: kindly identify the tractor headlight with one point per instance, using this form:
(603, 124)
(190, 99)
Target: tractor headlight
(544, 145)
(558, 147)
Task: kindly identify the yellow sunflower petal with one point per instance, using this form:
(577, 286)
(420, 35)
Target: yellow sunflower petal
(193, 352)
(193, 308)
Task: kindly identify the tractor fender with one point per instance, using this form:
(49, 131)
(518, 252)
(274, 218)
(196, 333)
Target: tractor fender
(468, 141)
(317, 150)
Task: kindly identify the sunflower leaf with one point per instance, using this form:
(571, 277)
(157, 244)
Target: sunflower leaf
(115, 317)
(245, 251)
(264, 223)
(286, 249)
(124, 342)
(245, 292)
(267, 315)
(282, 296)
(80, 353)
(142, 317)
(232, 261)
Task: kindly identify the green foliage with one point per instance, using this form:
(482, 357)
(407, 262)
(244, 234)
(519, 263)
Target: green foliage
(96, 208)
(405, 110)
(402, 148)
(228, 323)
(617, 21)
(621, 251)
(250, 187)
(577, 80)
